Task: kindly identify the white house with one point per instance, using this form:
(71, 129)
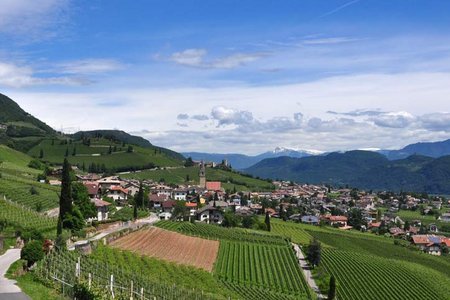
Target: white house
(118, 194)
(165, 216)
(102, 209)
(179, 195)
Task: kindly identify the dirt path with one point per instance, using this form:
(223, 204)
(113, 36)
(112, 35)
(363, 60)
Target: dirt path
(8, 288)
(307, 271)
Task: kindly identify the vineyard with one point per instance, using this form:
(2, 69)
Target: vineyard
(171, 246)
(221, 233)
(19, 190)
(367, 277)
(17, 216)
(256, 265)
(367, 266)
(145, 278)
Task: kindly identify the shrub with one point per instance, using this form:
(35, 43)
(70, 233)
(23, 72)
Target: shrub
(32, 252)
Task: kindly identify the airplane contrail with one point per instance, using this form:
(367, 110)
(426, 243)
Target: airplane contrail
(338, 8)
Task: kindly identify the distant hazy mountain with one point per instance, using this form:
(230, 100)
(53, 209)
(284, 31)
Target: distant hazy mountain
(241, 161)
(362, 169)
(431, 149)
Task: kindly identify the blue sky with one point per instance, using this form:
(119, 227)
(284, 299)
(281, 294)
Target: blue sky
(234, 76)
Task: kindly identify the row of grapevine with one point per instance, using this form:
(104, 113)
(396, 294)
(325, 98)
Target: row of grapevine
(17, 216)
(20, 191)
(257, 265)
(361, 276)
(291, 230)
(219, 233)
(61, 266)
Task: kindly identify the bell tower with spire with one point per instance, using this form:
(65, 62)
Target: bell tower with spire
(202, 175)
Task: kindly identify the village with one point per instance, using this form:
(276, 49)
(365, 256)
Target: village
(318, 205)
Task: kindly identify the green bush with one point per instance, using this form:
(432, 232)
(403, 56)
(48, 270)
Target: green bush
(32, 252)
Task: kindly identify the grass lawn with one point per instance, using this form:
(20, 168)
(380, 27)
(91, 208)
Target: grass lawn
(30, 285)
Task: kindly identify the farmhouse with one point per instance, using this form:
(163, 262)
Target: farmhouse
(430, 244)
(102, 209)
(118, 193)
(93, 188)
(210, 215)
(179, 195)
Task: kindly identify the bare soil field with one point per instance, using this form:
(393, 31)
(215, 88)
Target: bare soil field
(171, 246)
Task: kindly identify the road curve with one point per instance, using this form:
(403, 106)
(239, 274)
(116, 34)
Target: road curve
(8, 288)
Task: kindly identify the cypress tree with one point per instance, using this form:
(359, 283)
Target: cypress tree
(135, 211)
(67, 152)
(41, 153)
(65, 199)
(332, 289)
(74, 152)
(139, 200)
(267, 221)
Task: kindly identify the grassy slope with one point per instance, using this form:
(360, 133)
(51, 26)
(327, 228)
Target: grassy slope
(140, 157)
(433, 271)
(30, 285)
(229, 179)
(17, 179)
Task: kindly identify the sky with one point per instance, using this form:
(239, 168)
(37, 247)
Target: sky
(234, 76)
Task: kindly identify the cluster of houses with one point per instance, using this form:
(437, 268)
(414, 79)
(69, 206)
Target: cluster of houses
(310, 204)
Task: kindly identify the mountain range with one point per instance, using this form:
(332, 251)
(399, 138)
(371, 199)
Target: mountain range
(242, 161)
(361, 169)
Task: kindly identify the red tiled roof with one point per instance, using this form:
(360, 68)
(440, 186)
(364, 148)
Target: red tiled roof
(168, 203)
(100, 203)
(338, 219)
(420, 239)
(92, 187)
(119, 189)
(157, 198)
(376, 224)
(189, 204)
(213, 185)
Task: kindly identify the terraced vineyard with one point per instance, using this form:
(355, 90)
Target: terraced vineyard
(272, 267)
(256, 265)
(361, 276)
(367, 266)
(18, 216)
(156, 278)
(221, 233)
(19, 190)
(294, 231)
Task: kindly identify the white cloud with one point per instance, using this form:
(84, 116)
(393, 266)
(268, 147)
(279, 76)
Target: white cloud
(196, 58)
(32, 19)
(189, 57)
(230, 116)
(89, 66)
(400, 119)
(15, 76)
(268, 116)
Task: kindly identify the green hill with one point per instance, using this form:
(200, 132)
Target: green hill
(18, 182)
(181, 175)
(19, 129)
(362, 169)
(106, 154)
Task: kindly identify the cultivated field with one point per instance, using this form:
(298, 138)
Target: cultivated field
(367, 266)
(171, 246)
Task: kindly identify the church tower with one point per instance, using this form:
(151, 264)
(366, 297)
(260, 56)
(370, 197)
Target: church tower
(202, 175)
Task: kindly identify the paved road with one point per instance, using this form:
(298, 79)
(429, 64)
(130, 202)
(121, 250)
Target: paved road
(307, 271)
(153, 218)
(8, 288)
